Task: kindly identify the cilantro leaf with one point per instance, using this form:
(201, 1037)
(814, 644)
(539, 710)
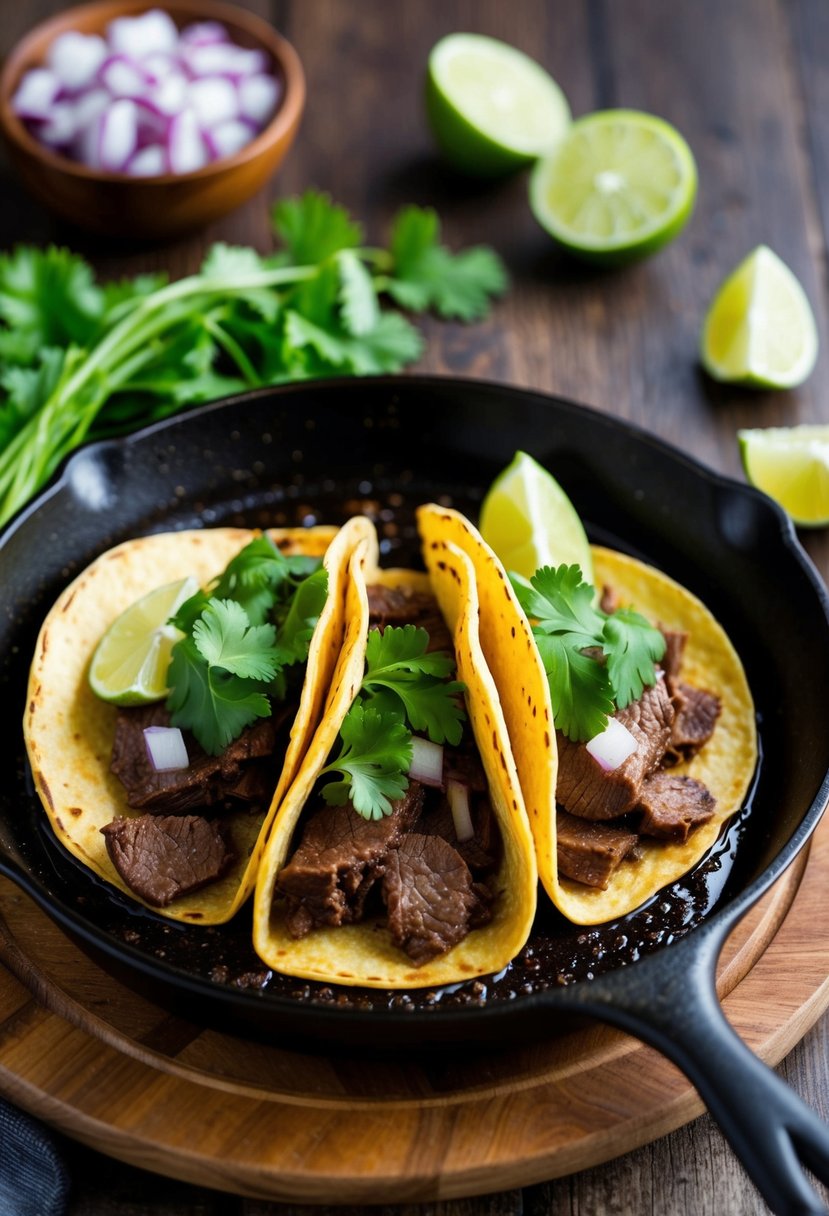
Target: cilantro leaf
(586, 688)
(373, 761)
(391, 344)
(224, 637)
(396, 660)
(297, 627)
(210, 701)
(48, 297)
(313, 228)
(427, 275)
(359, 308)
(26, 389)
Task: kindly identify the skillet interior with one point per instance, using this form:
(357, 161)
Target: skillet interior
(317, 453)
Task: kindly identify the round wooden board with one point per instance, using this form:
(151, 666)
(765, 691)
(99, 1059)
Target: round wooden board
(118, 1073)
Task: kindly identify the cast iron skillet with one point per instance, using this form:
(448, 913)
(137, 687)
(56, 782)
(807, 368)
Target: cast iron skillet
(318, 452)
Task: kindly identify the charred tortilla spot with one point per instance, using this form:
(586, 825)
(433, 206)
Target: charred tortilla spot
(40, 782)
(75, 810)
(546, 738)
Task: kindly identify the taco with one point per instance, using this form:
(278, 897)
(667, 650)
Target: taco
(441, 887)
(185, 842)
(609, 834)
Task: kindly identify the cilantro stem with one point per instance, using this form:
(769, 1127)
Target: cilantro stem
(232, 348)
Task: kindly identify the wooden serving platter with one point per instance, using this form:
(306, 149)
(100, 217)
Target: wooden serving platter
(118, 1073)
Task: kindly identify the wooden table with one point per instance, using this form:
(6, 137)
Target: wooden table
(746, 82)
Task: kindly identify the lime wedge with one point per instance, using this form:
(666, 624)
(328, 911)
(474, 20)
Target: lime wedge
(129, 666)
(791, 465)
(530, 522)
(618, 186)
(760, 330)
(492, 108)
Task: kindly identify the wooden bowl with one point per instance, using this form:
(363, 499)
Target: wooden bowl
(170, 204)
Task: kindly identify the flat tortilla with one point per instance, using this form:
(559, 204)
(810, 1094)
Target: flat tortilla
(69, 731)
(725, 764)
(363, 953)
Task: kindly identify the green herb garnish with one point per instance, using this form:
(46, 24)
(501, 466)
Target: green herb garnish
(241, 634)
(403, 689)
(80, 361)
(585, 688)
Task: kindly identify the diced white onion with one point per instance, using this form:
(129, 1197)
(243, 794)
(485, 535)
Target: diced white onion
(200, 96)
(166, 748)
(427, 762)
(612, 746)
(458, 795)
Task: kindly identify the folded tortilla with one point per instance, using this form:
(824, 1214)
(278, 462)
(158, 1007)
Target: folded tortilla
(725, 764)
(69, 731)
(363, 953)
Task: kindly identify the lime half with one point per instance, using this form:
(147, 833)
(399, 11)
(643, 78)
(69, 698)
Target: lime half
(492, 108)
(129, 666)
(760, 330)
(530, 522)
(791, 465)
(618, 186)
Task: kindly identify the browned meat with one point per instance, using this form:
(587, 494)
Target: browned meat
(339, 858)
(675, 642)
(584, 788)
(481, 852)
(243, 773)
(697, 712)
(673, 805)
(406, 606)
(588, 852)
(609, 601)
(430, 897)
(162, 857)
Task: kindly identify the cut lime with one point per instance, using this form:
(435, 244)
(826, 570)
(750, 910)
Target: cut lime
(791, 465)
(129, 666)
(619, 185)
(492, 108)
(760, 330)
(530, 522)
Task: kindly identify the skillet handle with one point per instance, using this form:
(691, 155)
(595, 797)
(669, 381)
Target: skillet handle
(672, 1005)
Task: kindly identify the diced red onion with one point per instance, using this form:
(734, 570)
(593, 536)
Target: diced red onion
(75, 59)
(612, 746)
(144, 35)
(186, 147)
(258, 96)
(427, 762)
(214, 100)
(166, 748)
(458, 796)
(36, 94)
(194, 96)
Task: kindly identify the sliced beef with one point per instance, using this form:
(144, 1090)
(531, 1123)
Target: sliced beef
(407, 606)
(243, 773)
(430, 896)
(673, 805)
(589, 852)
(696, 716)
(162, 857)
(482, 851)
(339, 858)
(675, 642)
(466, 767)
(584, 788)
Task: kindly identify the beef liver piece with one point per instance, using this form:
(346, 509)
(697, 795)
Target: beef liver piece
(243, 773)
(588, 852)
(162, 857)
(673, 805)
(584, 788)
(430, 897)
(339, 858)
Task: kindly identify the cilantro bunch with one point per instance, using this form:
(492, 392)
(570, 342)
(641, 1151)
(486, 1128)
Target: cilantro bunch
(82, 360)
(404, 689)
(595, 661)
(240, 636)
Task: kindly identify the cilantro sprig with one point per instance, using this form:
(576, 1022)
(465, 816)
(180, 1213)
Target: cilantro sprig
(81, 360)
(254, 621)
(404, 689)
(595, 661)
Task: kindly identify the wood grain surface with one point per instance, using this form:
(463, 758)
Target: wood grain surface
(747, 84)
